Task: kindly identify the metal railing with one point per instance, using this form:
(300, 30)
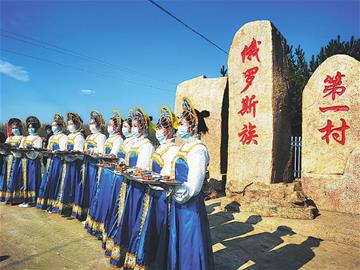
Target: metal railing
(296, 149)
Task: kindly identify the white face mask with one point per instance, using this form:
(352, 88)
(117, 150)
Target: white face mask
(55, 129)
(135, 132)
(71, 128)
(160, 136)
(126, 132)
(183, 132)
(110, 130)
(93, 128)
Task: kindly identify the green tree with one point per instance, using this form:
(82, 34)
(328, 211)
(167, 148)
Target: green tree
(299, 74)
(336, 46)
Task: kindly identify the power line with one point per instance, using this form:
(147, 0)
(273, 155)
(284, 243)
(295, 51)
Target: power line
(62, 50)
(187, 26)
(82, 69)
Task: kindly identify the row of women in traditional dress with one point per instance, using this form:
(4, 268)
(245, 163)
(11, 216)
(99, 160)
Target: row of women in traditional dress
(141, 226)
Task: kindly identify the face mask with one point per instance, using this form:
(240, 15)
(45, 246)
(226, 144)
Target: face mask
(32, 131)
(110, 130)
(126, 132)
(71, 128)
(15, 131)
(93, 128)
(183, 132)
(160, 136)
(135, 132)
(55, 130)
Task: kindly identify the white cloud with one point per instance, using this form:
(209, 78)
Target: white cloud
(16, 72)
(87, 91)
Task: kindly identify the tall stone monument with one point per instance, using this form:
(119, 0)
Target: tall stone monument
(331, 135)
(259, 122)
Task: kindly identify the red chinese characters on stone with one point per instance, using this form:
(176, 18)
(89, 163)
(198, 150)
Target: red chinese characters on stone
(248, 105)
(334, 85)
(248, 134)
(251, 51)
(249, 76)
(338, 134)
(336, 108)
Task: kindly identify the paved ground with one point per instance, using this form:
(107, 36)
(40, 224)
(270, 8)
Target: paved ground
(33, 239)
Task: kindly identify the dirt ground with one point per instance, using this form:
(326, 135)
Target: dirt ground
(34, 239)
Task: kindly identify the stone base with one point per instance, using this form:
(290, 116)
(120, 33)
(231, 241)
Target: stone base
(340, 193)
(275, 200)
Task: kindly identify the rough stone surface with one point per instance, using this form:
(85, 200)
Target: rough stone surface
(318, 157)
(336, 192)
(331, 171)
(268, 161)
(275, 200)
(210, 94)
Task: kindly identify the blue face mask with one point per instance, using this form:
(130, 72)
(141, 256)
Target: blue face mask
(55, 130)
(183, 132)
(126, 132)
(160, 136)
(16, 131)
(32, 131)
(135, 132)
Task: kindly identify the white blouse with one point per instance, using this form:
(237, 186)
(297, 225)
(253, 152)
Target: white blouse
(145, 149)
(13, 140)
(115, 141)
(77, 139)
(35, 141)
(59, 138)
(99, 139)
(198, 161)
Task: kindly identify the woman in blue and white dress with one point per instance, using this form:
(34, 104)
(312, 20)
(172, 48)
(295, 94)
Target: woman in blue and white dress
(189, 237)
(118, 193)
(86, 189)
(139, 157)
(31, 165)
(99, 206)
(71, 173)
(148, 246)
(54, 165)
(11, 184)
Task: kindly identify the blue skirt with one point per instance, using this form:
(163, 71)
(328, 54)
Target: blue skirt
(148, 246)
(128, 222)
(4, 178)
(50, 183)
(86, 189)
(116, 207)
(189, 239)
(32, 175)
(65, 192)
(15, 187)
(99, 207)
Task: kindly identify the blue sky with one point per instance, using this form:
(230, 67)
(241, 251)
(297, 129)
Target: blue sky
(143, 53)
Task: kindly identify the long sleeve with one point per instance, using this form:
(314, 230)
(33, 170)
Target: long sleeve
(168, 159)
(100, 141)
(116, 146)
(144, 158)
(62, 142)
(79, 143)
(197, 161)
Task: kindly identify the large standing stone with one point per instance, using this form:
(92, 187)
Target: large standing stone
(338, 73)
(258, 50)
(210, 94)
(331, 133)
